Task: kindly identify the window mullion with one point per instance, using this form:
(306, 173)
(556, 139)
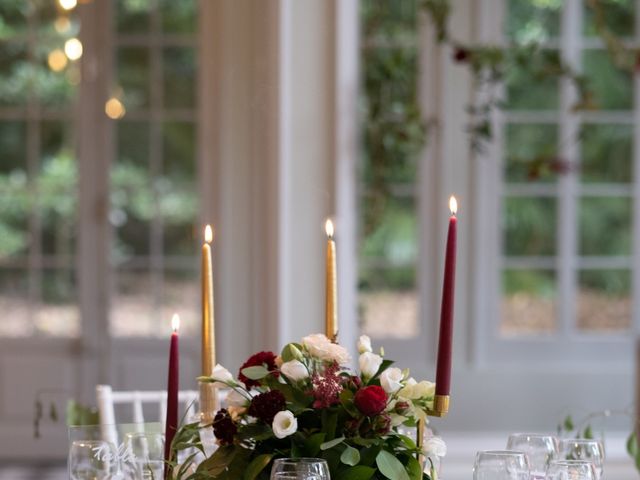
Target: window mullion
(569, 150)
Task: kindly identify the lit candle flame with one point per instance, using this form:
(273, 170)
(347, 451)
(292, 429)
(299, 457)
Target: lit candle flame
(328, 226)
(453, 205)
(208, 234)
(175, 322)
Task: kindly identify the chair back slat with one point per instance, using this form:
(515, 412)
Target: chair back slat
(107, 399)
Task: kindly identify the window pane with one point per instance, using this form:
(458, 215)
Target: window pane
(179, 77)
(530, 226)
(531, 153)
(58, 314)
(179, 150)
(526, 91)
(394, 22)
(389, 302)
(393, 237)
(181, 294)
(132, 16)
(607, 153)
(528, 302)
(618, 16)
(612, 87)
(13, 145)
(133, 76)
(132, 308)
(14, 298)
(531, 20)
(178, 17)
(605, 226)
(15, 73)
(14, 222)
(604, 302)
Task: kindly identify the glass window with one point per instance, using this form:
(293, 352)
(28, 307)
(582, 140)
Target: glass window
(39, 55)
(154, 203)
(392, 140)
(567, 210)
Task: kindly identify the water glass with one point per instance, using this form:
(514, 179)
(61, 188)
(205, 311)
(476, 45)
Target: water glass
(143, 457)
(92, 460)
(300, 469)
(571, 470)
(501, 465)
(539, 448)
(583, 449)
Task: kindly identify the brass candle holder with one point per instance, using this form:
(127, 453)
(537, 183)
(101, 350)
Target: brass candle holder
(440, 409)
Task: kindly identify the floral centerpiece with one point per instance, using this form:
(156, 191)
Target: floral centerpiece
(306, 402)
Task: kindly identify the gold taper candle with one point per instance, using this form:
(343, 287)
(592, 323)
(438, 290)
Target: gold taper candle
(208, 325)
(331, 305)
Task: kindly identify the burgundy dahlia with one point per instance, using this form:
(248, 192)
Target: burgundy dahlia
(461, 54)
(265, 406)
(268, 359)
(224, 428)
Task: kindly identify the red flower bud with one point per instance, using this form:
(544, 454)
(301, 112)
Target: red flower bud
(370, 400)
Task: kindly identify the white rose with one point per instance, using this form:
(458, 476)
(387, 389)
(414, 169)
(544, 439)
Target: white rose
(316, 344)
(294, 370)
(236, 399)
(222, 375)
(319, 346)
(391, 380)
(369, 364)
(435, 447)
(424, 389)
(338, 353)
(364, 344)
(284, 424)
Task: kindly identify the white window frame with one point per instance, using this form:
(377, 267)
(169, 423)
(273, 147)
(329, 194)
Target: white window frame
(566, 347)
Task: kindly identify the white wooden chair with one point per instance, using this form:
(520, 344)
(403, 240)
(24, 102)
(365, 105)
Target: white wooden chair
(107, 399)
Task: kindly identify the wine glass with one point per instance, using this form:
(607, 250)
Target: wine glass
(571, 470)
(539, 448)
(143, 457)
(300, 469)
(92, 460)
(583, 449)
(501, 465)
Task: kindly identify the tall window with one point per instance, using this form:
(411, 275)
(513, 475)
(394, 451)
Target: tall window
(392, 140)
(568, 181)
(153, 194)
(39, 75)
(154, 202)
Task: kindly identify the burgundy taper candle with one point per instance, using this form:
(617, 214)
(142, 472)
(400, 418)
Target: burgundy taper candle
(445, 342)
(173, 382)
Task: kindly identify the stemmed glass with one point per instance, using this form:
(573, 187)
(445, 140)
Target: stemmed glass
(92, 460)
(143, 457)
(539, 448)
(501, 465)
(583, 449)
(300, 469)
(571, 470)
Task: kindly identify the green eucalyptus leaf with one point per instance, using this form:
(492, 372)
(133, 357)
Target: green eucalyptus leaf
(256, 372)
(588, 432)
(313, 443)
(257, 465)
(359, 472)
(632, 445)
(350, 456)
(413, 468)
(331, 443)
(390, 466)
